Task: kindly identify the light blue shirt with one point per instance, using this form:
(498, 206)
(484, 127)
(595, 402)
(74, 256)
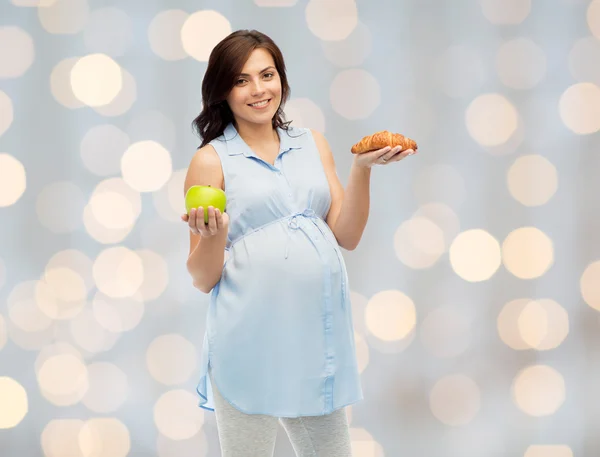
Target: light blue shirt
(279, 335)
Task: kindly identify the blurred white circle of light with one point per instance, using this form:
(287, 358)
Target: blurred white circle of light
(475, 255)
(197, 446)
(459, 71)
(63, 377)
(442, 216)
(156, 274)
(13, 180)
(532, 180)
(113, 210)
(390, 315)
(589, 284)
(31, 340)
(89, 335)
(419, 243)
(353, 50)
(59, 206)
(169, 200)
(548, 450)
(33, 3)
(24, 307)
(67, 17)
(583, 59)
(96, 79)
(74, 260)
(455, 400)
(593, 18)
(491, 119)
(102, 148)
(171, 359)
(177, 416)
(104, 437)
(19, 56)
(363, 444)
(538, 390)
(527, 252)
(55, 349)
(354, 94)
(146, 166)
(303, 112)
(521, 63)
(109, 31)
(6, 112)
(446, 332)
(100, 232)
(440, 183)
(543, 324)
(124, 99)
(60, 84)
(508, 324)
(118, 315)
(202, 31)
(164, 34)
(68, 289)
(331, 20)
(504, 12)
(108, 388)
(14, 404)
(118, 272)
(579, 108)
(60, 438)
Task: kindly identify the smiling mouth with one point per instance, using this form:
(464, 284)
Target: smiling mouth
(260, 104)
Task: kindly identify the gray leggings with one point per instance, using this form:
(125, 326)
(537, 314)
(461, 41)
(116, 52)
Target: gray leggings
(253, 435)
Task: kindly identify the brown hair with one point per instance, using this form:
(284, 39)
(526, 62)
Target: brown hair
(225, 63)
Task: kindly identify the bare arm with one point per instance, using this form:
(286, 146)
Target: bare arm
(349, 209)
(207, 253)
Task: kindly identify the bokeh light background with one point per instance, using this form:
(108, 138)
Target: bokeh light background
(476, 286)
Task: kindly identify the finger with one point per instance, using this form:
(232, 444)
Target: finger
(219, 219)
(392, 153)
(400, 156)
(185, 217)
(199, 220)
(377, 153)
(212, 223)
(192, 221)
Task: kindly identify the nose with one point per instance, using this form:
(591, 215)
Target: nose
(257, 88)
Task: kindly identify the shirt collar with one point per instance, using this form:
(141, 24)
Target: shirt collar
(239, 146)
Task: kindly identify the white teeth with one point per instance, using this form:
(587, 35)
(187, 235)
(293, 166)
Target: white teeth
(260, 103)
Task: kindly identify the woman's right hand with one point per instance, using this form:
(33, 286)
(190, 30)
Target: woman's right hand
(217, 221)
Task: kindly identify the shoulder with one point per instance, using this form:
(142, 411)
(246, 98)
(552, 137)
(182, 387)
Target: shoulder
(206, 156)
(205, 168)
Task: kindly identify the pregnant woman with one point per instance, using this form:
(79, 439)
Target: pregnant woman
(279, 341)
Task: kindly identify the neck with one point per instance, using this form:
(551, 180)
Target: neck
(256, 133)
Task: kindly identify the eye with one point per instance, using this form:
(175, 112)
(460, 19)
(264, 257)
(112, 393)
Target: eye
(240, 81)
(270, 75)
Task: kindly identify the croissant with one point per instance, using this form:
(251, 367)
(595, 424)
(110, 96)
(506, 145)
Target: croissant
(382, 139)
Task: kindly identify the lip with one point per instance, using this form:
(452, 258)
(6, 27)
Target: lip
(261, 107)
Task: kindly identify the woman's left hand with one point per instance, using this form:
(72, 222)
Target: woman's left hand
(383, 156)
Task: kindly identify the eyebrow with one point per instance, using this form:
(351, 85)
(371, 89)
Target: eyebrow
(262, 71)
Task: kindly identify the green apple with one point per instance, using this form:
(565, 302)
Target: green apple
(205, 196)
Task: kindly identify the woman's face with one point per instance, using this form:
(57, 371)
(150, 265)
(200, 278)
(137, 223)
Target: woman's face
(258, 82)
